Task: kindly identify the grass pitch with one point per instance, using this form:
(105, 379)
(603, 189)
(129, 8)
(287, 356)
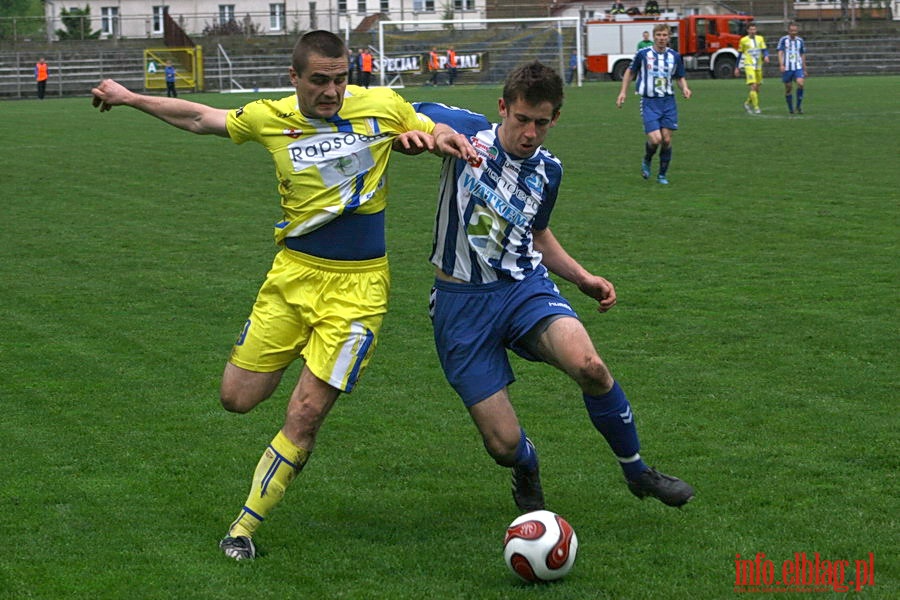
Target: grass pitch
(756, 335)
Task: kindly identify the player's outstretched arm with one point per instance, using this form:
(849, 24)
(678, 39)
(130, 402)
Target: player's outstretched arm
(560, 263)
(413, 142)
(448, 142)
(451, 143)
(184, 114)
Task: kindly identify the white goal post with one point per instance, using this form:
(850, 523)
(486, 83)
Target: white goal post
(563, 67)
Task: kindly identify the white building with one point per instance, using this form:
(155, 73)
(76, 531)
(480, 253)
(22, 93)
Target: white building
(144, 18)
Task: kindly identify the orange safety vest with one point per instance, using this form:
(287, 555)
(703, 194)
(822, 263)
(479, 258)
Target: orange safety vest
(367, 63)
(433, 62)
(40, 71)
(451, 59)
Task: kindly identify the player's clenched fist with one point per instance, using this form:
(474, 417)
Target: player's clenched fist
(109, 93)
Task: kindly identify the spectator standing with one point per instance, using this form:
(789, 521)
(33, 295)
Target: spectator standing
(171, 92)
(41, 74)
(365, 67)
(573, 67)
(434, 66)
(645, 41)
(353, 61)
(792, 62)
(753, 54)
(451, 65)
(617, 8)
(651, 8)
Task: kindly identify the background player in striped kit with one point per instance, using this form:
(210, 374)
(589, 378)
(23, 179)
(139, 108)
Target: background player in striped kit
(326, 293)
(753, 55)
(492, 293)
(792, 62)
(655, 67)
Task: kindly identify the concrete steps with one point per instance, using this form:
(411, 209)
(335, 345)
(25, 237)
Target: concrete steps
(70, 75)
(74, 69)
(837, 54)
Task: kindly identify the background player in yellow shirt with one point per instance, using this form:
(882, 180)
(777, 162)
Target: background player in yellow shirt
(753, 54)
(326, 293)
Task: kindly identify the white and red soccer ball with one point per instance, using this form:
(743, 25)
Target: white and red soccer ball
(540, 546)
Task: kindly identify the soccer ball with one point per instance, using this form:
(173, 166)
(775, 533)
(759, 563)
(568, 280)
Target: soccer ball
(540, 546)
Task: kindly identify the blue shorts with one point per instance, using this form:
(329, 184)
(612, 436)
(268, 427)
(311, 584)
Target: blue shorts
(659, 113)
(789, 76)
(475, 324)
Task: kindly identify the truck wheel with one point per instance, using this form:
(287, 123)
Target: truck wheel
(618, 71)
(724, 68)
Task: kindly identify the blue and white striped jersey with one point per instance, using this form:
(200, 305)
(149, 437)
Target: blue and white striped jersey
(488, 207)
(793, 49)
(654, 72)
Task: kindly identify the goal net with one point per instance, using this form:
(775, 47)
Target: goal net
(486, 49)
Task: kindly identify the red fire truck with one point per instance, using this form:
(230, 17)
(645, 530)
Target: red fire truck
(706, 42)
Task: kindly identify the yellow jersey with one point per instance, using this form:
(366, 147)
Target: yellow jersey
(753, 51)
(328, 167)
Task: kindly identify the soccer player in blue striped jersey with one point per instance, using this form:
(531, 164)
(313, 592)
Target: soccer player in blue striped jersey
(655, 68)
(792, 62)
(325, 296)
(493, 251)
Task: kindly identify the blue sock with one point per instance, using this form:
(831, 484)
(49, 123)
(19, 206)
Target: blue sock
(526, 455)
(665, 156)
(611, 415)
(649, 151)
(799, 97)
(790, 101)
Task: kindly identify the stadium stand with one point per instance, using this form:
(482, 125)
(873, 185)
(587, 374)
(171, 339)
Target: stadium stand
(77, 66)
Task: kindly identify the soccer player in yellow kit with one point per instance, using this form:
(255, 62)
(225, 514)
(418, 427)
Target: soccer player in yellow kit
(753, 54)
(326, 293)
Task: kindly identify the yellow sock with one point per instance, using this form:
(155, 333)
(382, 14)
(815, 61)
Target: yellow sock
(754, 99)
(278, 466)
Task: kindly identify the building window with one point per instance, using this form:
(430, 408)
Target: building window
(108, 19)
(361, 6)
(385, 6)
(342, 7)
(423, 5)
(158, 12)
(226, 13)
(276, 17)
(460, 5)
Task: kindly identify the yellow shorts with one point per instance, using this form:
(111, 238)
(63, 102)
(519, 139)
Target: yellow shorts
(753, 75)
(327, 311)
